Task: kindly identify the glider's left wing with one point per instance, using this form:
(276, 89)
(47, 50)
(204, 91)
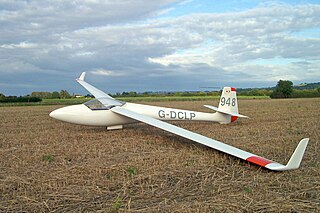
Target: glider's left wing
(104, 98)
(293, 163)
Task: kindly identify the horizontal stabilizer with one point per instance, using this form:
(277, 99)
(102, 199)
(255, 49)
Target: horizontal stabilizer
(225, 112)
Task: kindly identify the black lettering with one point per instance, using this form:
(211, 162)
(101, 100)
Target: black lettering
(173, 114)
(223, 101)
(228, 102)
(233, 102)
(192, 115)
(180, 113)
(161, 114)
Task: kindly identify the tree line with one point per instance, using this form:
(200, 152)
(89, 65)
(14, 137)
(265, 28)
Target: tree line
(35, 97)
(166, 94)
(283, 89)
(63, 94)
(18, 99)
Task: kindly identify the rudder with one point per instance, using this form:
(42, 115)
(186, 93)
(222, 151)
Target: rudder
(228, 102)
(228, 106)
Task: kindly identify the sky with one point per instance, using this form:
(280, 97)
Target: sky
(168, 45)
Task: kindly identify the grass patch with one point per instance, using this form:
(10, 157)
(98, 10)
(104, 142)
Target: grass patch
(248, 190)
(117, 204)
(48, 158)
(132, 170)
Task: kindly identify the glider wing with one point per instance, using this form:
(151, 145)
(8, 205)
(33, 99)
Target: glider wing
(98, 94)
(293, 163)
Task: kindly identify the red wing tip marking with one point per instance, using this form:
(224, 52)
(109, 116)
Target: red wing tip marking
(259, 160)
(234, 118)
(233, 89)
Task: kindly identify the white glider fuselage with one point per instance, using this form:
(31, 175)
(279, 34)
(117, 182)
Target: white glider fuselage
(82, 114)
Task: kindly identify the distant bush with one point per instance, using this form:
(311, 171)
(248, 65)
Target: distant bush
(2, 96)
(166, 94)
(64, 94)
(41, 94)
(255, 92)
(20, 99)
(55, 95)
(51, 95)
(213, 93)
(307, 93)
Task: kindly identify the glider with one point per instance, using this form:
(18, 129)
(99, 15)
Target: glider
(104, 110)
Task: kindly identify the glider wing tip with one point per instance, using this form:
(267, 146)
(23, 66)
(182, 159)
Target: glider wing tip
(295, 160)
(81, 78)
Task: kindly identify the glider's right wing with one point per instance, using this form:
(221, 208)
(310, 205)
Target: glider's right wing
(293, 163)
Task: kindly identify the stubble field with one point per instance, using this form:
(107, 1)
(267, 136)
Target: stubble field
(50, 166)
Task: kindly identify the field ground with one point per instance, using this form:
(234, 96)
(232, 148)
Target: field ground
(51, 166)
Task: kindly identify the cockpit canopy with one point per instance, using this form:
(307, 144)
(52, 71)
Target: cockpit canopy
(95, 104)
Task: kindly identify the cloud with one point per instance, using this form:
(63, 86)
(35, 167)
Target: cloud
(105, 72)
(132, 40)
(22, 45)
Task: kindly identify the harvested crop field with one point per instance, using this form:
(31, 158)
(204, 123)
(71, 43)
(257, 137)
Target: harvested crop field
(50, 166)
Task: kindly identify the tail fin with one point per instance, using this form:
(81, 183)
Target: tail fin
(228, 104)
(228, 100)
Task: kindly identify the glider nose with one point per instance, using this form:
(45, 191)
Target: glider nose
(60, 114)
(56, 113)
(71, 114)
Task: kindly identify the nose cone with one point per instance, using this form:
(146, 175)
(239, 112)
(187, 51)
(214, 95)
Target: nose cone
(55, 113)
(71, 114)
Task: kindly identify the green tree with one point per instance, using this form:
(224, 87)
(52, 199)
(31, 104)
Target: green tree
(125, 94)
(64, 94)
(213, 93)
(55, 95)
(318, 89)
(284, 89)
(132, 94)
(201, 93)
(41, 94)
(2, 96)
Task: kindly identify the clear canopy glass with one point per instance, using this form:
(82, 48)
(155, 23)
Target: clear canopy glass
(95, 105)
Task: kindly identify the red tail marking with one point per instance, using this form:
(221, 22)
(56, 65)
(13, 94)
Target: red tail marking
(259, 160)
(233, 89)
(233, 118)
